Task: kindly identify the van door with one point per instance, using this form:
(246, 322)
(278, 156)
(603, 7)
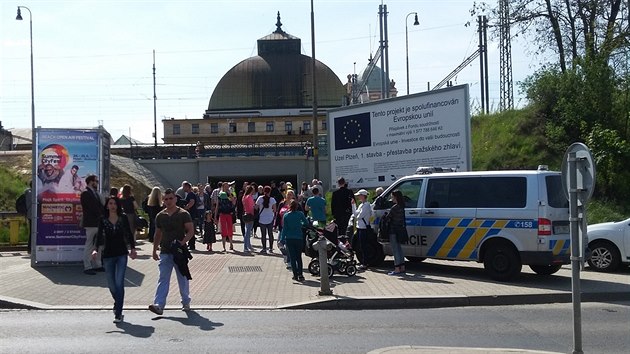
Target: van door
(448, 216)
(411, 191)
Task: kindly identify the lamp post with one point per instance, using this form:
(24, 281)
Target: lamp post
(33, 230)
(415, 23)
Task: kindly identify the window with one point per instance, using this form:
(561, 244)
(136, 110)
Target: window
(251, 127)
(176, 129)
(306, 126)
(410, 191)
(288, 127)
(555, 192)
(324, 125)
(269, 127)
(214, 128)
(232, 128)
(477, 192)
(195, 128)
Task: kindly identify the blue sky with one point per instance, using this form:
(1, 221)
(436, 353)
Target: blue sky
(93, 59)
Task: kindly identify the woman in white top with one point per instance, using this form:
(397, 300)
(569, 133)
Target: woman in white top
(266, 206)
(362, 216)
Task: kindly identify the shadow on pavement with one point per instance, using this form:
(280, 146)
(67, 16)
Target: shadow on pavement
(67, 275)
(558, 281)
(192, 319)
(134, 330)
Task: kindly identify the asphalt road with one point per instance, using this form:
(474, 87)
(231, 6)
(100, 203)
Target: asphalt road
(606, 329)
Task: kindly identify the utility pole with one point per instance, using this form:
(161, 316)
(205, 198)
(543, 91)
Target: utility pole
(154, 110)
(315, 128)
(505, 48)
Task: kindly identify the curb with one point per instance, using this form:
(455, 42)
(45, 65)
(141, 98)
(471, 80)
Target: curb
(412, 349)
(362, 303)
(368, 303)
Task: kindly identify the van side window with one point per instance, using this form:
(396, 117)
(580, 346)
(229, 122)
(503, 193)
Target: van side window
(555, 192)
(410, 191)
(477, 192)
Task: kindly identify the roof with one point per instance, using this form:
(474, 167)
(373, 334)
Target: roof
(126, 140)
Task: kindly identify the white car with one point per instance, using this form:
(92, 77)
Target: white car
(609, 243)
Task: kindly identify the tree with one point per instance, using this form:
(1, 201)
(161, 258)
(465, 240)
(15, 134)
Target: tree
(575, 30)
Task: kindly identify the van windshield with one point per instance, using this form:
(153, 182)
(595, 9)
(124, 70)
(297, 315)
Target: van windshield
(555, 194)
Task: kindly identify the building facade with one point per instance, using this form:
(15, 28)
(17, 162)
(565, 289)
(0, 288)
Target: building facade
(267, 98)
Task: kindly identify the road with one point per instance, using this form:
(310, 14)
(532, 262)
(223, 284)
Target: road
(606, 329)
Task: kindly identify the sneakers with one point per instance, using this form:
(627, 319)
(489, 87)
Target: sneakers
(395, 273)
(118, 319)
(300, 278)
(186, 307)
(156, 309)
(263, 251)
(89, 272)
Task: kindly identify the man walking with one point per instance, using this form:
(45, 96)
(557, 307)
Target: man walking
(92, 206)
(341, 205)
(173, 225)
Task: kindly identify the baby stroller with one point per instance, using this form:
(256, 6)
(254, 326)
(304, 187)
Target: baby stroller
(340, 258)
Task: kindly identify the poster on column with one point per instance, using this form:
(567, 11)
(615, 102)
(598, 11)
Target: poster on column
(65, 158)
(374, 144)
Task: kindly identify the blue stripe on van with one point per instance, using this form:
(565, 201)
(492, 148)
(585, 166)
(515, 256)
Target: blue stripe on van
(461, 242)
(487, 223)
(440, 241)
(464, 222)
(434, 221)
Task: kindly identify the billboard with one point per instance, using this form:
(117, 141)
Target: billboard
(64, 158)
(376, 143)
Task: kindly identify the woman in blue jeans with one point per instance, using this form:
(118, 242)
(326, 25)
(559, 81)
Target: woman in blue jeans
(397, 225)
(291, 236)
(114, 233)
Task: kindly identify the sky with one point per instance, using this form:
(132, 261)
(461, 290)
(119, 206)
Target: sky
(93, 59)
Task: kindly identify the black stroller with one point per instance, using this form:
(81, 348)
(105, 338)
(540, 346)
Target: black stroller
(340, 257)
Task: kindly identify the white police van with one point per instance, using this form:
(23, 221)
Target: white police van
(502, 218)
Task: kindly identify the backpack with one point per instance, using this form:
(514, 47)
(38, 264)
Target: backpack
(225, 206)
(383, 227)
(20, 204)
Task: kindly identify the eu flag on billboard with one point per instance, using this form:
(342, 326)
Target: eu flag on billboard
(353, 131)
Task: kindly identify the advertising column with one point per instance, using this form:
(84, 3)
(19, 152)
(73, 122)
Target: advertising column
(65, 158)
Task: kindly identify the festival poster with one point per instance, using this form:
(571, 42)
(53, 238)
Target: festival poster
(65, 158)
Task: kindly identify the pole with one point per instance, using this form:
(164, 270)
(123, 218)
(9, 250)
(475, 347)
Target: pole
(407, 48)
(382, 47)
(33, 233)
(386, 53)
(315, 127)
(154, 110)
(324, 282)
(485, 59)
(575, 253)
(481, 75)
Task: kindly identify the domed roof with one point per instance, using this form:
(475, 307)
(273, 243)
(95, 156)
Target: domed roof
(278, 77)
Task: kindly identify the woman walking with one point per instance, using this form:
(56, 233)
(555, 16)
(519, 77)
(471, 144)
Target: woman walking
(115, 235)
(154, 206)
(291, 236)
(248, 218)
(397, 227)
(266, 206)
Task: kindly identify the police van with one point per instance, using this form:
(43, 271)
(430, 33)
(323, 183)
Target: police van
(502, 218)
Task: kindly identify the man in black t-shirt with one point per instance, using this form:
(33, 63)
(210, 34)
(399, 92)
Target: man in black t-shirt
(341, 205)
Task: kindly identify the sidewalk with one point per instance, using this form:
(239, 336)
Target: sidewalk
(235, 280)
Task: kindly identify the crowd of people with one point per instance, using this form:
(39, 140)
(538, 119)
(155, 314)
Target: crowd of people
(180, 219)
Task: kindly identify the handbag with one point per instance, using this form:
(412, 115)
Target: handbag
(402, 236)
(247, 218)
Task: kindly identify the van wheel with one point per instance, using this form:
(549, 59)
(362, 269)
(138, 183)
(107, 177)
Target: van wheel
(545, 269)
(502, 262)
(416, 259)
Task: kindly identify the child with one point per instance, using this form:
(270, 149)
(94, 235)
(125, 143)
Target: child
(209, 234)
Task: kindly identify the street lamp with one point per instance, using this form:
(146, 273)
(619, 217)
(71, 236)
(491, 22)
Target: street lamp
(33, 145)
(415, 23)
